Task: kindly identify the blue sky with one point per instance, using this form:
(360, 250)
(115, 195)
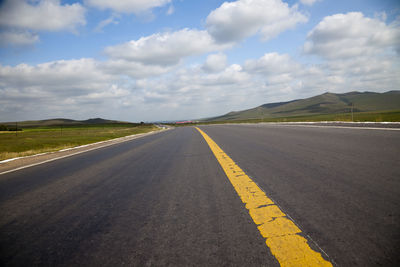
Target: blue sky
(150, 60)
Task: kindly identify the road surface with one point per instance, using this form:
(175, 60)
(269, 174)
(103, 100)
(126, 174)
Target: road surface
(165, 200)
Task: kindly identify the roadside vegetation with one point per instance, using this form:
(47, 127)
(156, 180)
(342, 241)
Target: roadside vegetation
(366, 106)
(33, 140)
(389, 116)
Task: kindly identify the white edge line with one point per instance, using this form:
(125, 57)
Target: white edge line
(341, 127)
(340, 122)
(307, 125)
(76, 147)
(135, 136)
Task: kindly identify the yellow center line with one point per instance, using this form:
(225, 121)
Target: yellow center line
(281, 233)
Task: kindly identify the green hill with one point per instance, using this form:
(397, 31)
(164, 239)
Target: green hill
(324, 104)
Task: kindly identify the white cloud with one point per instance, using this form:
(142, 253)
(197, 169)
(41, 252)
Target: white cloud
(143, 80)
(16, 37)
(284, 76)
(130, 90)
(127, 6)
(352, 35)
(69, 75)
(165, 48)
(192, 93)
(114, 91)
(60, 88)
(133, 69)
(235, 21)
(308, 2)
(363, 74)
(271, 63)
(381, 15)
(229, 23)
(170, 10)
(231, 75)
(111, 20)
(215, 63)
(21, 20)
(44, 15)
(279, 73)
(358, 53)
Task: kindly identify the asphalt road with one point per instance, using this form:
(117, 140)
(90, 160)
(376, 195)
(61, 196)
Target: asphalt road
(164, 200)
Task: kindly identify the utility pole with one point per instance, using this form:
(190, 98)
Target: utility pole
(352, 116)
(351, 111)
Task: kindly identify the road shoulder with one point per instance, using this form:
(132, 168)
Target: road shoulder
(11, 165)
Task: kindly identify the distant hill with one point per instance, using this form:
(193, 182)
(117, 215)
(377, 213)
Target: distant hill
(62, 122)
(327, 103)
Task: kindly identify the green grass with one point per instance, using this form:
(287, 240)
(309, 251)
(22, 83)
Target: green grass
(36, 140)
(389, 116)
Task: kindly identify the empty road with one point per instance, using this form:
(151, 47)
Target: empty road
(165, 199)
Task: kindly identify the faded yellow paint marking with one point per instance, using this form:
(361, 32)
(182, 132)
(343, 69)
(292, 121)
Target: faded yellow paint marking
(282, 235)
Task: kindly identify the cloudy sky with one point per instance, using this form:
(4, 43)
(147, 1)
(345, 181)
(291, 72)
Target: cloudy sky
(148, 60)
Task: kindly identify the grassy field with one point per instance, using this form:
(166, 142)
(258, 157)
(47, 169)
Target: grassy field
(389, 116)
(36, 140)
